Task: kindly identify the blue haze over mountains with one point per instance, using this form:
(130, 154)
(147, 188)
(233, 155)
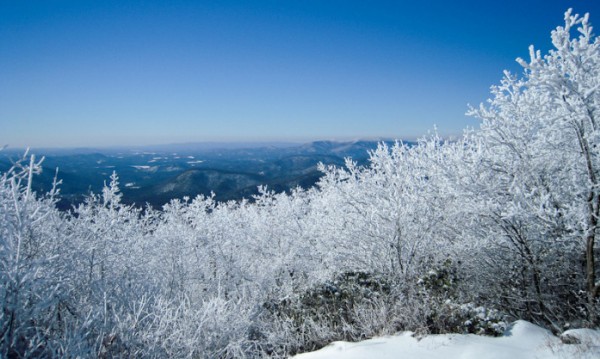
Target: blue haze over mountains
(156, 174)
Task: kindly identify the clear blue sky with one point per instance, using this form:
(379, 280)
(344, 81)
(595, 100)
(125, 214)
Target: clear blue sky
(100, 73)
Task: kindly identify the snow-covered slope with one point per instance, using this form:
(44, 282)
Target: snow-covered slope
(521, 340)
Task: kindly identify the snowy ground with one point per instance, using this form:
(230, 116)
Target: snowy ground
(521, 340)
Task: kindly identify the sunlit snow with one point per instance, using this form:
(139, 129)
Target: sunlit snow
(522, 340)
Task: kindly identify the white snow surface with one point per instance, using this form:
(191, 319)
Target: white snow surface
(521, 340)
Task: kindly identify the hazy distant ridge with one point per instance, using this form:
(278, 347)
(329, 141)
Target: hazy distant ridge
(157, 174)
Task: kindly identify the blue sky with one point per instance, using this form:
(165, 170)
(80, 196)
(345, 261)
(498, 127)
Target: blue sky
(103, 73)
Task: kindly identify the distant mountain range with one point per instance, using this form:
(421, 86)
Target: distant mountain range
(155, 175)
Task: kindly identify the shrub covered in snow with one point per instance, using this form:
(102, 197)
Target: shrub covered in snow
(469, 318)
(336, 308)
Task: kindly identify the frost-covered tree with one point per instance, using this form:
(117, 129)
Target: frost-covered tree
(33, 303)
(388, 211)
(539, 156)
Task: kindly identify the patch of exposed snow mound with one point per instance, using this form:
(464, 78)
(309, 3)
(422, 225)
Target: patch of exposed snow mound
(521, 340)
(524, 329)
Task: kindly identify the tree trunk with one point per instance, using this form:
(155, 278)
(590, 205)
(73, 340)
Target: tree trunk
(590, 269)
